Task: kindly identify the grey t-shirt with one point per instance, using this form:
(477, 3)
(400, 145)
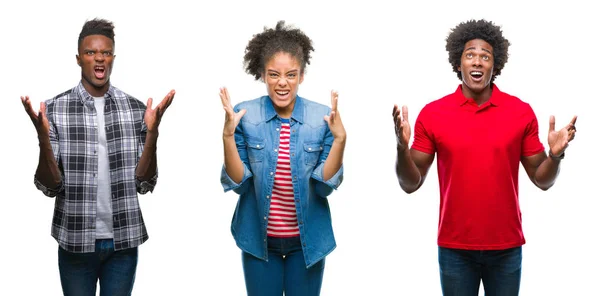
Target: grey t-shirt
(104, 225)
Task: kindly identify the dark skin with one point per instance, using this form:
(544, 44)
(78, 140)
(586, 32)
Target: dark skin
(412, 165)
(95, 58)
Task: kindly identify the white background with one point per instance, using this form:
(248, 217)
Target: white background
(375, 54)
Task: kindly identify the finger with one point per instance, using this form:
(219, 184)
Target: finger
(574, 120)
(169, 99)
(394, 110)
(334, 100)
(149, 104)
(552, 123)
(327, 119)
(28, 108)
(332, 117)
(223, 97)
(404, 113)
(241, 113)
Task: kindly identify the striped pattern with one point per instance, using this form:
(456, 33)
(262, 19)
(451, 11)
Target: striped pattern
(282, 214)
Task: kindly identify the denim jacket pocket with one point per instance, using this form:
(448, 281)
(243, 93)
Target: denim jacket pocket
(255, 148)
(312, 151)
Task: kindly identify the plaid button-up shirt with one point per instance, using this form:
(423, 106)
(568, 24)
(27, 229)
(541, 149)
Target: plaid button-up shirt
(74, 138)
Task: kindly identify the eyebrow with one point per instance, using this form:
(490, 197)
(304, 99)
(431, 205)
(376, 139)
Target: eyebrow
(473, 48)
(291, 71)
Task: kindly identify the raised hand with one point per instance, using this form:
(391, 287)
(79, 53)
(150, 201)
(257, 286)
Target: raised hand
(232, 119)
(334, 120)
(401, 126)
(152, 117)
(559, 140)
(39, 120)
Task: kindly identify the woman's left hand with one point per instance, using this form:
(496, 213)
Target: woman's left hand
(334, 120)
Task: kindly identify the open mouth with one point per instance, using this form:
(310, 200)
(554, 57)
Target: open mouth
(100, 72)
(282, 93)
(476, 75)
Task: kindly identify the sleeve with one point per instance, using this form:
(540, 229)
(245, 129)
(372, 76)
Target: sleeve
(325, 188)
(531, 144)
(423, 140)
(53, 133)
(144, 187)
(227, 183)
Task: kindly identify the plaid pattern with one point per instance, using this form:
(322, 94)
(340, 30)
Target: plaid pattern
(74, 139)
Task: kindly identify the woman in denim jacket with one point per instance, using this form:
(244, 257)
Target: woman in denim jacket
(283, 156)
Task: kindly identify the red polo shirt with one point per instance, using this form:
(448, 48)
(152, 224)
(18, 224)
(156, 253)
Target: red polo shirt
(478, 154)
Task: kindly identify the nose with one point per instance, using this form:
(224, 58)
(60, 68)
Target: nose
(282, 82)
(477, 61)
(99, 56)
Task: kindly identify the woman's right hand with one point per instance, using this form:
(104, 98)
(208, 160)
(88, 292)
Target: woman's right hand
(232, 119)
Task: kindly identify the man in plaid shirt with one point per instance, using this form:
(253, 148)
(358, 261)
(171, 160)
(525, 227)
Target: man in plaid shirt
(97, 151)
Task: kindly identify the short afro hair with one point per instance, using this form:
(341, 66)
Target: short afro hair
(283, 38)
(481, 29)
(97, 27)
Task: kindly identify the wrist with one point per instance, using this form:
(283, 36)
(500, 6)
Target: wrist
(556, 157)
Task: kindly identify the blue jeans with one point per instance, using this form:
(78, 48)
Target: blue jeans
(79, 272)
(284, 272)
(461, 271)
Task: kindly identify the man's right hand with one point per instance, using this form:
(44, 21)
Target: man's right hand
(40, 121)
(232, 119)
(402, 127)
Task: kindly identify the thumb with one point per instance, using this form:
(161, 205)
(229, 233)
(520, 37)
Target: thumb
(552, 123)
(149, 104)
(242, 113)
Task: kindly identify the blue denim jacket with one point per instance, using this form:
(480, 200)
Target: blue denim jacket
(257, 138)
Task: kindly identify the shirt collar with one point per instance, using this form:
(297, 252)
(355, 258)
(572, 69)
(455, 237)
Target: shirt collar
(84, 96)
(495, 99)
(297, 113)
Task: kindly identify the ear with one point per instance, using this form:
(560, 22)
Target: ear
(458, 68)
(301, 78)
(262, 77)
(78, 60)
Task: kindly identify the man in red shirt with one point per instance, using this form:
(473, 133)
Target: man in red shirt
(480, 135)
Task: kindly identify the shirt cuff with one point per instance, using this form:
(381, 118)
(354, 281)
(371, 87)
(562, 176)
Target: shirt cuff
(51, 192)
(144, 187)
(228, 183)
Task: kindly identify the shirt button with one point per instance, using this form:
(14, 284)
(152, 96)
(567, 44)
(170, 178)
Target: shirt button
(94, 151)
(295, 178)
(321, 147)
(257, 146)
(293, 154)
(277, 129)
(94, 175)
(300, 222)
(267, 197)
(304, 244)
(271, 173)
(265, 217)
(309, 149)
(275, 150)
(297, 200)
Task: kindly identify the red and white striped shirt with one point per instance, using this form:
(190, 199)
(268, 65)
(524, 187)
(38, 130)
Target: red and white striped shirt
(282, 214)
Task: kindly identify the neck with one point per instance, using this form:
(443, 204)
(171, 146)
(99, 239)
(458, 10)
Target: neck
(93, 90)
(479, 97)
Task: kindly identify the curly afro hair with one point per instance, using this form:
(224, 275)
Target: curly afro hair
(481, 29)
(97, 27)
(283, 38)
